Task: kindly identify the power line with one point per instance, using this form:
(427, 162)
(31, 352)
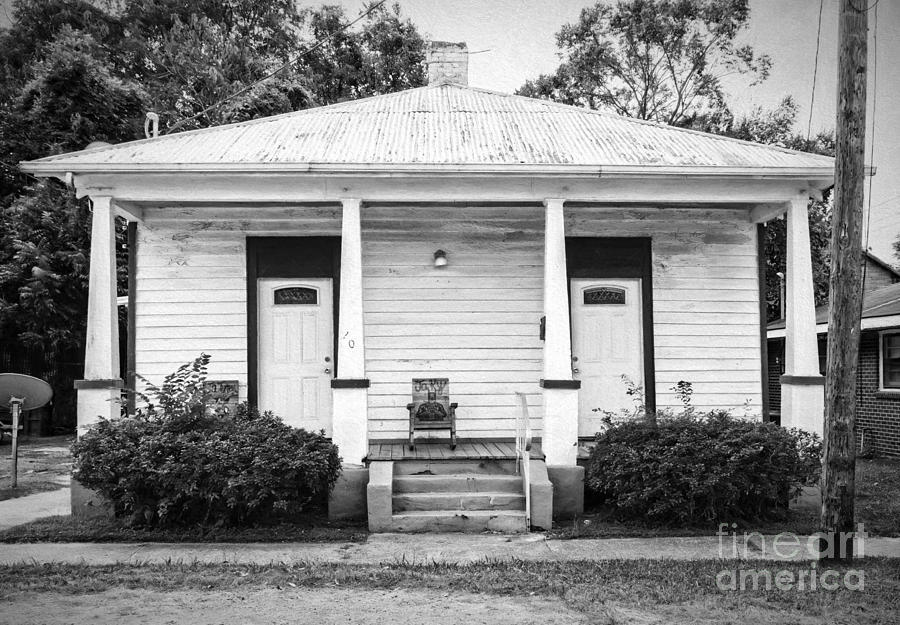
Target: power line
(866, 10)
(812, 96)
(290, 62)
(871, 143)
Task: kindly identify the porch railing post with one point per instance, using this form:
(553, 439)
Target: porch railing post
(802, 386)
(350, 386)
(560, 390)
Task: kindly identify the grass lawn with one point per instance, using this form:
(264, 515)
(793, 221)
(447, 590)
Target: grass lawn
(44, 464)
(605, 592)
(313, 527)
(877, 506)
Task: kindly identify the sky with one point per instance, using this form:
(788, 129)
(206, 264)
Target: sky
(517, 37)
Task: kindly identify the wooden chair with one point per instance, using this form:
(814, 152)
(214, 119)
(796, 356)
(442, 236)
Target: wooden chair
(431, 409)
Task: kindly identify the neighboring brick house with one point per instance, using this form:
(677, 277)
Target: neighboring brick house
(878, 376)
(879, 274)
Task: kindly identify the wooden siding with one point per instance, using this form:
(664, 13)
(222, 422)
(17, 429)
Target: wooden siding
(705, 299)
(191, 272)
(474, 321)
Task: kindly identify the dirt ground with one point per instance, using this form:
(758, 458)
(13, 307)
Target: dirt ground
(333, 606)
(319, 606)
(45, 464)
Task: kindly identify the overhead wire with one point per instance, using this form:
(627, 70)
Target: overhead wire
(866, 10)
(871, 137)
(812, 96)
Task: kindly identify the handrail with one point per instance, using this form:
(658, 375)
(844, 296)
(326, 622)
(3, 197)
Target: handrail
(523, 453)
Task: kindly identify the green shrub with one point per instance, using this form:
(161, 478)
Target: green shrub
(177, 463)
(691, 470)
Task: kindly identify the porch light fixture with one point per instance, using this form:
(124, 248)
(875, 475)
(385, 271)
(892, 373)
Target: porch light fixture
(440, 258)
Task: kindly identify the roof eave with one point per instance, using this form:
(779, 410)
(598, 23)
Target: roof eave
(60, 169)
(880, 322)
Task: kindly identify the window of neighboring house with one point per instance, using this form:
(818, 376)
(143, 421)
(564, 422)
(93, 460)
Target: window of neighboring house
(823, 354)
(890, 360)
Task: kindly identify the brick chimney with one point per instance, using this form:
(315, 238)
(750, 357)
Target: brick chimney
(447, 62)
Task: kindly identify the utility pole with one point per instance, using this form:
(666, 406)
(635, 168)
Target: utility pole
(839, 466)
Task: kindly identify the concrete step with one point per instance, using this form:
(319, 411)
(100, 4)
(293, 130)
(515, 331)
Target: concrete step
(457, 483)
(460, 501)
(455, 467)
(511, 521)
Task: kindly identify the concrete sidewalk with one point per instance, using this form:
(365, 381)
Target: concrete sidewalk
(418, 548)
(31, 507)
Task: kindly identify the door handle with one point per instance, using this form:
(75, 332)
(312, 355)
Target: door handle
(327, 370)
(576, 370)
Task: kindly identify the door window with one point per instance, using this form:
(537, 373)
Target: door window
(604, 296)
(296, 295)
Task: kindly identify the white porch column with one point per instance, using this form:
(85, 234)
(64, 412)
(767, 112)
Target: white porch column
(802, 387)
(560, 394)
(350, 424)
(100, 390)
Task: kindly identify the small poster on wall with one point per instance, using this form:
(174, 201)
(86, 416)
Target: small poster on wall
(222, 394)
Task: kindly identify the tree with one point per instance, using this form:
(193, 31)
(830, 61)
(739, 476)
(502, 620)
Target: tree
(71, 99)
(661, 60)
(201, 59)
(43, 271)
(387, 55)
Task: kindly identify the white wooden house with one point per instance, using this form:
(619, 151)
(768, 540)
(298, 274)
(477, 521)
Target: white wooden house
(580, 247)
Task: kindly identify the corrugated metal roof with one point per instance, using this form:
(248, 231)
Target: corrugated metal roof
(438, 125)
(884, 302)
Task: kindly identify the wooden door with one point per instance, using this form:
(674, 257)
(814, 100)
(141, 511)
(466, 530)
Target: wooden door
(607, 343)
(296, 339)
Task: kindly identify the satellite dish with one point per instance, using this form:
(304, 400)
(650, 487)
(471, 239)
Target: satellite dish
(33, 392)
(19, 393)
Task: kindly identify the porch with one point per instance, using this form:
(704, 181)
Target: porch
(469, 449)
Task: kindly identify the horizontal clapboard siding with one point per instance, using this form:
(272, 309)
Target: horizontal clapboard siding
(191, 282)
(475, 321)
(705, 300)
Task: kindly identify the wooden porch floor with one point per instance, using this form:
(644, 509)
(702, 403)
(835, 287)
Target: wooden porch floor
(465, 450)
